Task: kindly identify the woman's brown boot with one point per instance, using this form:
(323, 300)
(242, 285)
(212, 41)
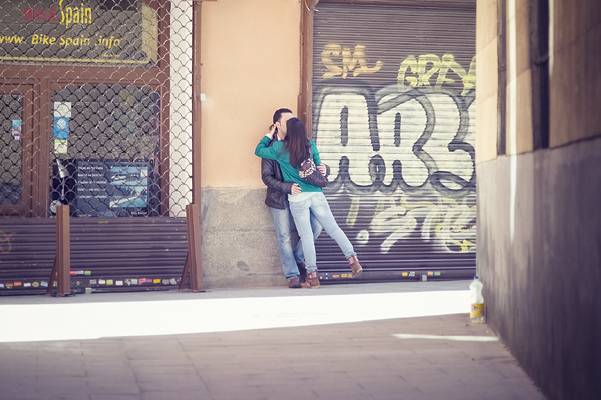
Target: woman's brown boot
(356, 268)
(313, 280)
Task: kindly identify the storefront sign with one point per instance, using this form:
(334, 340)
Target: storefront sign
(91, 31)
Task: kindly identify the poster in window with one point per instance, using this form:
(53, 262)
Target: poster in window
(112, 188)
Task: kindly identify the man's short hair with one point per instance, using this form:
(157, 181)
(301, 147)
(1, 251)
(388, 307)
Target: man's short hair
(278, 114)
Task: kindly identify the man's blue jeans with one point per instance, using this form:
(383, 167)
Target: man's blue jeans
(290, 256)
(304, 212)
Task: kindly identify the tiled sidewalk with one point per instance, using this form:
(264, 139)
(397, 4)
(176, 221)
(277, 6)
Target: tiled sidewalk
(360, 360)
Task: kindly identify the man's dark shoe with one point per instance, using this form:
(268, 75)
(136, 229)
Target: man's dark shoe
(313, 280)
(303, 271)
(294, 282)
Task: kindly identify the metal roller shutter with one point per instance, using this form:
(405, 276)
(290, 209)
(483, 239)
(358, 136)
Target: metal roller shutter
(394, 117)
(120, 254)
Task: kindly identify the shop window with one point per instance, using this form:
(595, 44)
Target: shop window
(105, 151)
(11, 150)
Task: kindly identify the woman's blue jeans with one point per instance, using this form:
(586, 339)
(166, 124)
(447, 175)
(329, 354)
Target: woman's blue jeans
(317, 206)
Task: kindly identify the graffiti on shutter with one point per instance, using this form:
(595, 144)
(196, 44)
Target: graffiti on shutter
(393, 116)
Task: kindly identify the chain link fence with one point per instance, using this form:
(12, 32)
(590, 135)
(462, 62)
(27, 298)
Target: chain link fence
(96, 107)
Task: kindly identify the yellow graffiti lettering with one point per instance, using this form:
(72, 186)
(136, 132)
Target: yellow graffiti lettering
(448, 63)
(409, 64)
(423, 72)
(469, 80)
(418, 71)
(357, 57)
(352, 60)
(466, 246)
(423, 68)
(331, 50)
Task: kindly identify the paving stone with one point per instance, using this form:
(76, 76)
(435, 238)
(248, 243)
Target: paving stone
(176, 395)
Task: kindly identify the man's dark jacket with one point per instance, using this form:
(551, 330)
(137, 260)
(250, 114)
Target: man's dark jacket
(277, 190)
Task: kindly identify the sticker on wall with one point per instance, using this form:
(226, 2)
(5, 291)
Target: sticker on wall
(62, 116)
(81, 272)
(61, 146)
(15, 129)
(342, 276)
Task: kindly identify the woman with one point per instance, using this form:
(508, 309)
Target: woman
(290, 153)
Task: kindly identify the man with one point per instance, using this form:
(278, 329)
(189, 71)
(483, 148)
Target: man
(277, 201)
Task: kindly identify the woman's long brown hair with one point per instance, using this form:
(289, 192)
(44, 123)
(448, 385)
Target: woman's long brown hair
(296, 141)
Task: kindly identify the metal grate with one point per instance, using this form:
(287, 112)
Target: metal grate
(96, 113)
(111, 95)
